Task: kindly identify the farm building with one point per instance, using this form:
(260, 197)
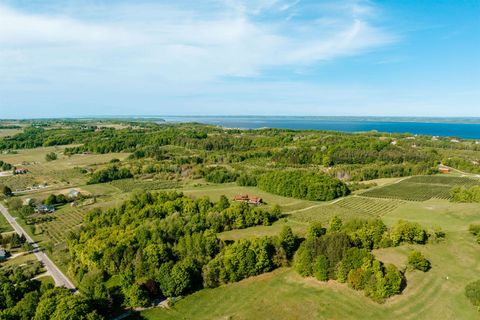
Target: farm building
(20, 170)
(43, 208)
(444, 170)
(248, 199)
(3, 254)
(73, 193)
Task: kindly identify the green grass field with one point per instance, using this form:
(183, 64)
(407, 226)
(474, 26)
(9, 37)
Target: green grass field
(260, 231)
(19, 260)
(4, 225)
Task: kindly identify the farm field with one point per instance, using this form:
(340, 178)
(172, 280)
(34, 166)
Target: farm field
(9, 132)
(374, 207)
(63, 172)
(420, 188)
(128, 185)
(282, 294)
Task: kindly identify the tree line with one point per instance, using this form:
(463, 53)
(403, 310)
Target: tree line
(303, 185)
(108, 174)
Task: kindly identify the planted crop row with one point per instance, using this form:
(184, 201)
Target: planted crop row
(420, 188)
(376, 207)
(444, 180)
(127, 185)
(65, 221)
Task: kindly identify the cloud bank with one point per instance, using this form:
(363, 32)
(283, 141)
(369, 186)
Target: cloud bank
(178, 43)
(175, 48)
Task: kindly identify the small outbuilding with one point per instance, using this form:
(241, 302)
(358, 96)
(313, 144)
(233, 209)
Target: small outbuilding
(73, 193)
(21, 170)
(3, 254)
(44, 208)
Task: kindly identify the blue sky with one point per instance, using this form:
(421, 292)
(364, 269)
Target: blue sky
(239, 57)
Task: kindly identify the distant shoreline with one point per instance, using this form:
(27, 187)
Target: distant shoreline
(464, 120)
(470, 130)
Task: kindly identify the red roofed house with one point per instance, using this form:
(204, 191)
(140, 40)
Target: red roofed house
(248, 199)
(444, 170)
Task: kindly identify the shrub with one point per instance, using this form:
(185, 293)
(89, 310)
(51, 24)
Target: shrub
(6, 191)
(472, 291)
(405, 231)
(474, 229)
(316, 230)
(51, 156)
(416, 260)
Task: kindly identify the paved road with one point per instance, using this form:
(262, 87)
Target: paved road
(52, 269)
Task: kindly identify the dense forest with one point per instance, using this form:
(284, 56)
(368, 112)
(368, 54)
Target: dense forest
(159, 243)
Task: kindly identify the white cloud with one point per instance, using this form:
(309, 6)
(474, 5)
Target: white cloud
(22, 30)
(232, 38)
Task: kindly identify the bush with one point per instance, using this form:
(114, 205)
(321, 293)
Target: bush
(53, 199)
(405, 231)
(51, 156)
(6, 191)
(416, 260)
(316, 230)
(474, 229)
(472, 291)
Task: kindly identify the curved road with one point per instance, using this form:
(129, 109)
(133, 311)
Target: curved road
(52, 269)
